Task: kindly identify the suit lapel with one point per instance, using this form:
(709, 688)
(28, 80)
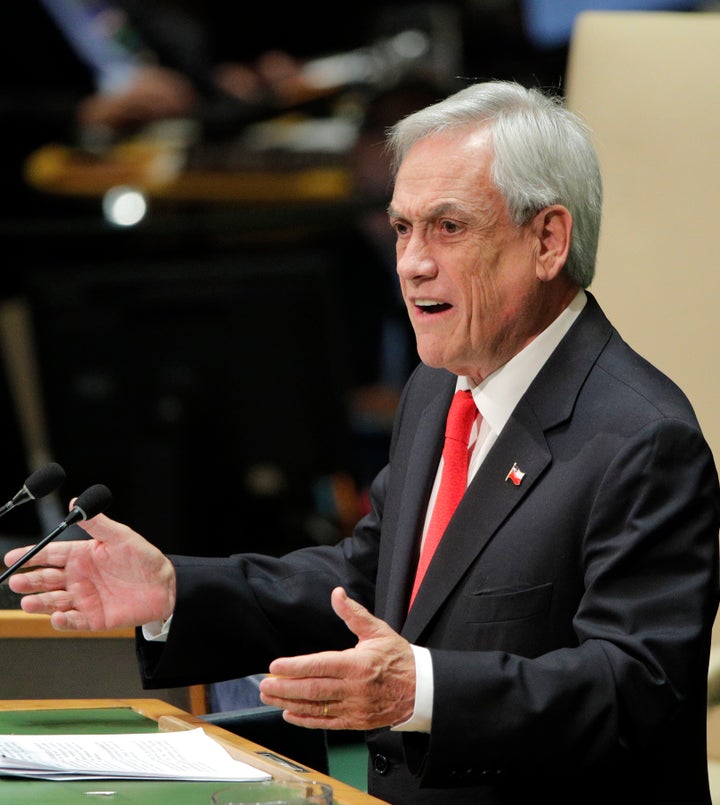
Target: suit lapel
(426, 449)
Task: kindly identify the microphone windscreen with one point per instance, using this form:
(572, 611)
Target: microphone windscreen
(45, 480)
(93, 500)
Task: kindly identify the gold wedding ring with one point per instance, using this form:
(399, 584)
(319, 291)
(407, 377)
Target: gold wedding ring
(325, 709)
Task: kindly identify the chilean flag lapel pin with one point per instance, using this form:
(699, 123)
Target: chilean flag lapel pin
(515, 475)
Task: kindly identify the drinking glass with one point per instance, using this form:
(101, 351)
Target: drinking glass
(275, 792)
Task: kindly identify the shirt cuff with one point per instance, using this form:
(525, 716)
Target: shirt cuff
(157, 631)
(421, 719)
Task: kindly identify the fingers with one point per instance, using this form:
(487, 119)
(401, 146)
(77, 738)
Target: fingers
(102, 528)
(14, 554)
(60, 606)
(99, 527)
(307, 687)
(360, 622)
(320, 718)
(353, 709)
(325, 664)
(47, 603)
(32, 581)
(54, 554)
(312, 713)
(69, 621)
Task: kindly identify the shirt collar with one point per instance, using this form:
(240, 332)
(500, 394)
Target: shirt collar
(500, 392)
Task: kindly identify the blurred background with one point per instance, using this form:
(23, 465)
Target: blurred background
(199, 306)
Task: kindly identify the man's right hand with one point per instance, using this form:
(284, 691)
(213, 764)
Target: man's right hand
(114, 580)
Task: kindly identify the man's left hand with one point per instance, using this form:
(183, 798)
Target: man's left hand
(371, 685)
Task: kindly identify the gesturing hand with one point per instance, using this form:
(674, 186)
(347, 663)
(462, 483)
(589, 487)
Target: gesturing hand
(116, 579)
(368, 686)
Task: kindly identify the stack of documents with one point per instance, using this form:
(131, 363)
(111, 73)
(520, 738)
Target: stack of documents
(182, 755)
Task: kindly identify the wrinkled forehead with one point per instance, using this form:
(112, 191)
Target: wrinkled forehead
(449, 168)
(452, 153)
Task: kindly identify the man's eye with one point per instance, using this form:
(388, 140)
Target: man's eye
(449, 226)
(400, 228)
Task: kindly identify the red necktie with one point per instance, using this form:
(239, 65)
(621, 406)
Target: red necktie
(460, 420)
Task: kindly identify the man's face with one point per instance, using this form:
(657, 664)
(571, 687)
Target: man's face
(468, 275)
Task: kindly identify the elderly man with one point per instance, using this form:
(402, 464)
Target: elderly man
(549, 638)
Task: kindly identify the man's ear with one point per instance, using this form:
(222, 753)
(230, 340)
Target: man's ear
(553, 228)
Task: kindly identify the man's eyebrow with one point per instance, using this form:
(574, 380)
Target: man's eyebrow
(440, 211)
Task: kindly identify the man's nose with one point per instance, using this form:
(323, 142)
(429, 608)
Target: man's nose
(415, 261)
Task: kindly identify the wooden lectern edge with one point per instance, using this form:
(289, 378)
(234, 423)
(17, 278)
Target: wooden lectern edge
(16, 623)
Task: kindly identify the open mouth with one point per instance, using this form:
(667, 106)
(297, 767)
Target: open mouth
(431, 307)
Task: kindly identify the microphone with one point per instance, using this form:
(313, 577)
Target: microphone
(42, 482)
(92, 501)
